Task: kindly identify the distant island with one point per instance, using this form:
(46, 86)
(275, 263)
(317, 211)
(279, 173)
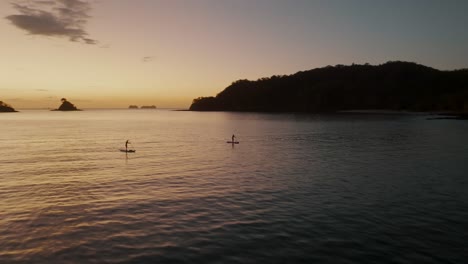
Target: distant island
(395, 85)
(4, 107)
(148, 107)
(143, 107)
(66, 106)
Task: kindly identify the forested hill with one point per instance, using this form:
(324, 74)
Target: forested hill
(393, 86)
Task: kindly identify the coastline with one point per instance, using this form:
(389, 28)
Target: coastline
(435, 115)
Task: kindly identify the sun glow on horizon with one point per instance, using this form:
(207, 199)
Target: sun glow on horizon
(167, 53)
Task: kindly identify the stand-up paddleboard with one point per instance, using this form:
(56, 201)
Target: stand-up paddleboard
(232, 142)
(127, 150)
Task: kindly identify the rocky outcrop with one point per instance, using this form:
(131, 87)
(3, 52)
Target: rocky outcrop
(6, 107)
(66, 106)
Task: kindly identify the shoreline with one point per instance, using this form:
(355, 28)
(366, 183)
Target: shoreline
(434, 115)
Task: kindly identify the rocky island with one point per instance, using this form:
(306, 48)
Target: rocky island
(142, 107)
(4, 107)
(396, 85)
(66, 106)
(148, 107)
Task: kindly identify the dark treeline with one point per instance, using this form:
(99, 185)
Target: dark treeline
(391, 86)
(4, 107)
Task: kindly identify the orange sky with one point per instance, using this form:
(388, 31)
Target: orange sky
(166, 53)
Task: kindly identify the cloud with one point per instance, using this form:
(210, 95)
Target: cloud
(60, 18)
(16, 99)
(41, 90)
(46, 2)
(147, 59)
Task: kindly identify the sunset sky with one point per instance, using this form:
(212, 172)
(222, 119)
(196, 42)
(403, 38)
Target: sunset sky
(113, 53)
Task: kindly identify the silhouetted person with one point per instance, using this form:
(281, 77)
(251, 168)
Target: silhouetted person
(126, 145)
(233, 138)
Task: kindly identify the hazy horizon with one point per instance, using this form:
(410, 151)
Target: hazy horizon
(110, 54)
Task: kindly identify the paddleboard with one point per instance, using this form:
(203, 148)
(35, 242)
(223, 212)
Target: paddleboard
(233, 142)
(128, 151)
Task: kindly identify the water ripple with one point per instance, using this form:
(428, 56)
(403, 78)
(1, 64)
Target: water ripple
(329, 190)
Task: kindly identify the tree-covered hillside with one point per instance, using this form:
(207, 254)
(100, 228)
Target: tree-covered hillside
(393, 85)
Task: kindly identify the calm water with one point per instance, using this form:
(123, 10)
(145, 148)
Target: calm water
(298, 188)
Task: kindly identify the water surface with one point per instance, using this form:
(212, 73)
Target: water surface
(298, 188)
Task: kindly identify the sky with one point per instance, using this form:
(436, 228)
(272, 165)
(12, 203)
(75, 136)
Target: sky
(114, 53)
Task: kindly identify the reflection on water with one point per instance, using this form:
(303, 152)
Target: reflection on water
(298, 188)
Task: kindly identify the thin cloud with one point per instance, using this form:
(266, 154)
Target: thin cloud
(61, 18)
(16, 99)
(46, 2)
(147, 59)
(83, 100)
(41, 90)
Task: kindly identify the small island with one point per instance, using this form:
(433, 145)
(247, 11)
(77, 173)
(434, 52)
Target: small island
(142, 107)
(4, 107)
(148, 107)
(66, 106)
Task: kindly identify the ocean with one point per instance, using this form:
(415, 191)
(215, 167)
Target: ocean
(298, 188)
